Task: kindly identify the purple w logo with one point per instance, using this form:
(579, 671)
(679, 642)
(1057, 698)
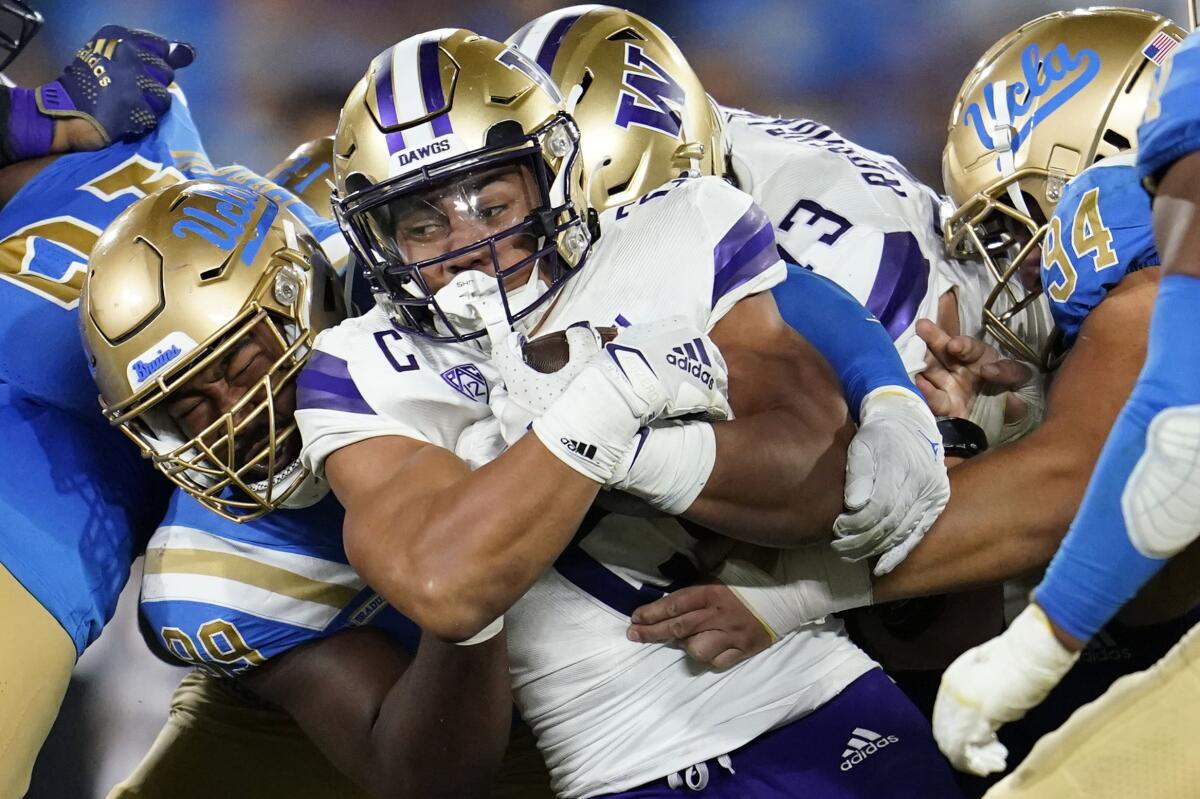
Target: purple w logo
(656, 99)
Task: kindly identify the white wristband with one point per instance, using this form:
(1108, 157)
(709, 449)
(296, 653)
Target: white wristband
(486, 634)
(670, 468)
(807, 585)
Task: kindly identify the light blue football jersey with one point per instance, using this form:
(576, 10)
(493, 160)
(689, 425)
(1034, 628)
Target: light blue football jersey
(76, 501)
(227, 597)
(1100, 232)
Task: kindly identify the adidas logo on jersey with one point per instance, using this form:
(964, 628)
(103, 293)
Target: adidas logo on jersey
(862, 744)
(692, 358)
(579, 448)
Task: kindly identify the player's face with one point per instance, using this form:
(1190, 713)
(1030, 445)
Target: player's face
(214, 392)
(449, 218)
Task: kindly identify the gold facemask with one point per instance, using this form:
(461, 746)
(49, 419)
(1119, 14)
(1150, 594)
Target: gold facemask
(176, 285)
(644, 116)
(1044, 103)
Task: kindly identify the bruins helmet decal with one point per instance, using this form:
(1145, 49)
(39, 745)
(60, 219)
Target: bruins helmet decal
(1045, 102)
(645, 115)
(439, 124)
(176, 285)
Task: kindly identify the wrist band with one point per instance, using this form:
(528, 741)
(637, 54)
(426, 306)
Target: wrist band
(961, 438)
(29, 132)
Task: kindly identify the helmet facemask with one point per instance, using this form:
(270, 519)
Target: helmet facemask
(244, 463)
(1003, 229)
(499, 210)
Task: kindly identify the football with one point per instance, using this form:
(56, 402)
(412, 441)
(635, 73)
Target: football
(547, 354)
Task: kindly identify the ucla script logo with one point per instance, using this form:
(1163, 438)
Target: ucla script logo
(1049, 82)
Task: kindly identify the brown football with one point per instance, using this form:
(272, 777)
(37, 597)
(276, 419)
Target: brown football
(547, 354)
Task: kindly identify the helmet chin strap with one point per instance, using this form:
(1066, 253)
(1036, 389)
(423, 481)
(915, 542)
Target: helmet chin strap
(310, 491)
(471, 301)
(1002, 136)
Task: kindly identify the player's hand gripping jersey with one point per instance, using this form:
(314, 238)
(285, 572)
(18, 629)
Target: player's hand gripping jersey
(850, 214)
(609, 713)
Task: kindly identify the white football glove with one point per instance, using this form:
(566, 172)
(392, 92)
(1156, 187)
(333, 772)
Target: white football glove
(526, 393)
(665, 369)
(993, 683)
(896, 481)
(806, 585)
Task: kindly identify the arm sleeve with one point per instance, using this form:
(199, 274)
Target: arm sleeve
(1143, 501)
(849, 336)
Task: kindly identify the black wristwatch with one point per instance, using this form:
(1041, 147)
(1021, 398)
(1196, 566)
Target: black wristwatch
(961, 438)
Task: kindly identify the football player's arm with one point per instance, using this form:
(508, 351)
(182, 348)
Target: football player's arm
(781, 463)
(450, 548)
(433, 724)
(1141, 506)
(1010, 508)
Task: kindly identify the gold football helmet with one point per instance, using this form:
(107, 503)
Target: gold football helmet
(307, 173)
(176, 286)
(1045, 102)
(644, 114)
(435, 118)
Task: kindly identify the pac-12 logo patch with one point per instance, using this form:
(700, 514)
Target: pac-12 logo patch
(1049, 82)
(467, 380)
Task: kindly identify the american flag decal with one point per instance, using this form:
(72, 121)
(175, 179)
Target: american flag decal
(1158, 50)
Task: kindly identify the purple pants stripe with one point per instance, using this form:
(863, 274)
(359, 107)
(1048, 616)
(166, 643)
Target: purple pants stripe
(868, 742)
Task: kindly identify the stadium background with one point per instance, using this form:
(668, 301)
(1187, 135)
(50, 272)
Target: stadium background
(272, 73)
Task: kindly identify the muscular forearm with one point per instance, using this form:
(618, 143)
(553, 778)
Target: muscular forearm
(458, 554)
(1009, 509)
(983, 537)
(442, 730)
(777, 480)
(781, 463)
(399, 725)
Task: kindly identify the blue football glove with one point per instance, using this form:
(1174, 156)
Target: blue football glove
(117, 82)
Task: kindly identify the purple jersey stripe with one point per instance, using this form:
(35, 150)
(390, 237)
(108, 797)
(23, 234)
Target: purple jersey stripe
(386, 100)
(431, 87)
(901, 283)
(545, 57)
(747, 250)
(326, 384)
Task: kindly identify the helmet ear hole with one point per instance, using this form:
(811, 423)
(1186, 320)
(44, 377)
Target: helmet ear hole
(357, 182)
(505, 133)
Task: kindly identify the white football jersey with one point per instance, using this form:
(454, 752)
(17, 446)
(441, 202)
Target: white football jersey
(609, 714)
(850, 214)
